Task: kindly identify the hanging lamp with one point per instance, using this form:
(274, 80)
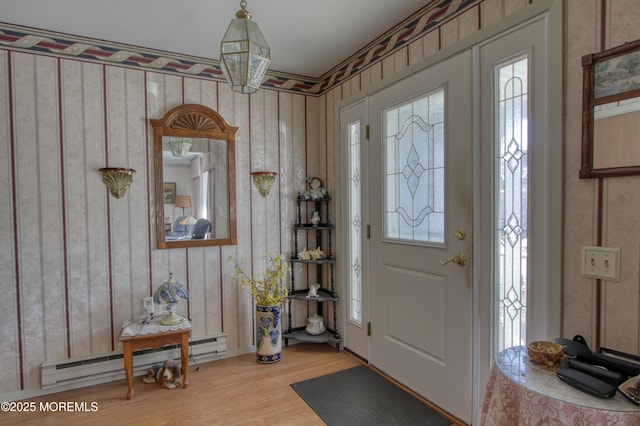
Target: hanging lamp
(244, 53)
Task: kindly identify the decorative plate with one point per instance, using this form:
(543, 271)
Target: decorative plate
(631, 389)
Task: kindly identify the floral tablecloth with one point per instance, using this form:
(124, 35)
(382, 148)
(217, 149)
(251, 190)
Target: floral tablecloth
(519, 392)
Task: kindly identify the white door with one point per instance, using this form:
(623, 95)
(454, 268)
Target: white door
(420, 152)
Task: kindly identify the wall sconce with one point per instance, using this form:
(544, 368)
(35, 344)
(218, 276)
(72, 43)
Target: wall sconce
(117, 179)
(264, 181)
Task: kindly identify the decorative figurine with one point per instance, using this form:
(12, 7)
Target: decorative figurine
(313, 290)
(315, 325)
(315, 218)
(315, 191)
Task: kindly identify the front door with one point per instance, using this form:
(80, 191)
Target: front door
(420, 165)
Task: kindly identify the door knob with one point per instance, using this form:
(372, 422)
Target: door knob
(459, 259)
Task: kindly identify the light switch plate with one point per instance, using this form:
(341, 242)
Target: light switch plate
(147, 304)
(601, 262)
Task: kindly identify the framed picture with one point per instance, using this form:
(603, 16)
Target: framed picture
(169, 192)
(611, 112)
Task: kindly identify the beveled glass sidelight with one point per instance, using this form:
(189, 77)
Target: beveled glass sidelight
(210, 178)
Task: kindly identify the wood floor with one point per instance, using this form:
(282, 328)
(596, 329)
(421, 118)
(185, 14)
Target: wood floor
(233, 391)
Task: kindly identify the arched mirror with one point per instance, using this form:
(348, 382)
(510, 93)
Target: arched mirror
(194, 154)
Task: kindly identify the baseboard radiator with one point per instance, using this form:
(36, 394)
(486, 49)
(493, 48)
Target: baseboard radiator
(76, 373)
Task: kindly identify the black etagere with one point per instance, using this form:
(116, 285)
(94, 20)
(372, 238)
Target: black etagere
(326, 294)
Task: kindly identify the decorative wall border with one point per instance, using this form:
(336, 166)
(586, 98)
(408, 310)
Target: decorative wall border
(15, 37)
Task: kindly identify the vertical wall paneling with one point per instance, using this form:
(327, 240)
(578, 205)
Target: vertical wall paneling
(293, 165)
(50, 197)
(11, 359)
(77, 225)
(126, 215)
(91, 137)
(619, 197)
(580, 210)
(237, 313)
(33, 262)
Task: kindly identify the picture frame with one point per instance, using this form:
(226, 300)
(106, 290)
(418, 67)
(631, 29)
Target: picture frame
(611, 112)
(169, 192)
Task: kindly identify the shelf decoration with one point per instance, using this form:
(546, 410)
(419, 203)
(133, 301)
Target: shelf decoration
(269, 293)
(315, 254)
(313, 290)
(264, 182)
(117, 180)
(316, 191)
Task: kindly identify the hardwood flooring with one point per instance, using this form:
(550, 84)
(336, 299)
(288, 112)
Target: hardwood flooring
(232, 391)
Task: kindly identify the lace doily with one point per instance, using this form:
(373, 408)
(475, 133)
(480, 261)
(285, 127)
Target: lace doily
(132, 329)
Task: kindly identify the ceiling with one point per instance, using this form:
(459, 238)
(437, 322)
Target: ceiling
(307, 37)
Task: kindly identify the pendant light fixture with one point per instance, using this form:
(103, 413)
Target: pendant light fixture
(244, 53)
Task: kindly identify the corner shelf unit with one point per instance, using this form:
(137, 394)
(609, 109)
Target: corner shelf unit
(298, 293)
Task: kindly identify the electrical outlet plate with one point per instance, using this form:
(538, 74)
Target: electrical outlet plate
(147, 304)
(601, 262)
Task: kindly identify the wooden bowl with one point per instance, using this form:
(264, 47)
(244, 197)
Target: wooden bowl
(545, 352)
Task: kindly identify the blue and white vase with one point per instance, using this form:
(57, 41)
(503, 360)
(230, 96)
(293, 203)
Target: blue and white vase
(268, 334)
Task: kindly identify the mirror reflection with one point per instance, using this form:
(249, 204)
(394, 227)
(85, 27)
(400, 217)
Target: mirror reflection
(199, 169)
(616, 121)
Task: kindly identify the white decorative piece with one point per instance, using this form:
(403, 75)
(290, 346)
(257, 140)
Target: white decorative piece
(313, 290)
(315, 254)
(315, 325)
(315, 218)
(304, 255)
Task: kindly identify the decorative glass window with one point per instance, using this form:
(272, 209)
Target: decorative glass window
(355, 225)
(414, 147)
(512, 188)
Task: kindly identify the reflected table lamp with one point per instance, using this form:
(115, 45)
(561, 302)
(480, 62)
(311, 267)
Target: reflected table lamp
(183, 201)
(171, 292)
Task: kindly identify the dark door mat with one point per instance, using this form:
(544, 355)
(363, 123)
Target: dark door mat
(360, 396)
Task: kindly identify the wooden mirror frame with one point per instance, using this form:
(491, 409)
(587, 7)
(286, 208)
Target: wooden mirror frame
(590, 100)
(193, 121)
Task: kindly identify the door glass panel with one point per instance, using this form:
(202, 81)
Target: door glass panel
(414, 172)
(512, 189)
(355, 228)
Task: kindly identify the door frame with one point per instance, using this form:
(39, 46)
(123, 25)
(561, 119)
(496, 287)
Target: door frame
(482, 338)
